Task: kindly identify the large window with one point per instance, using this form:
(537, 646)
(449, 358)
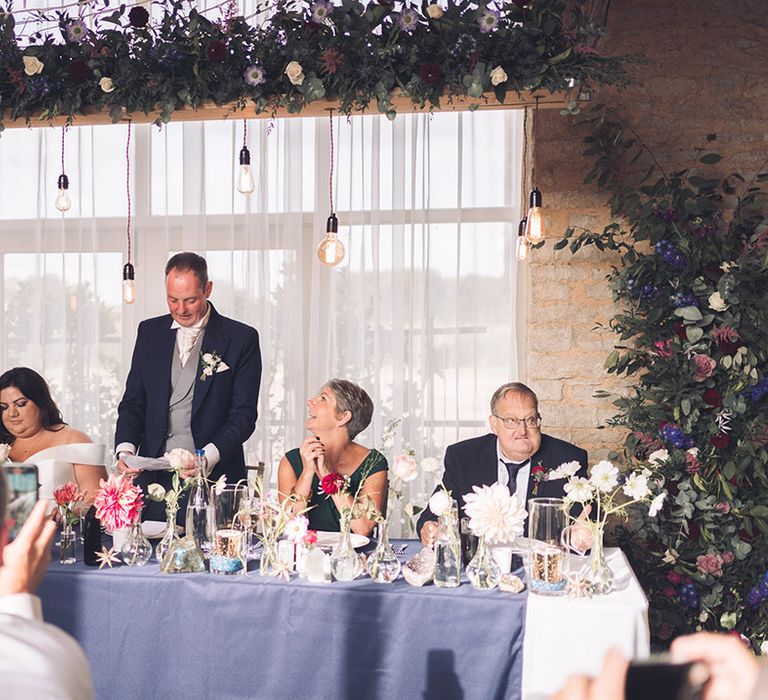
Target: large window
(421, 311)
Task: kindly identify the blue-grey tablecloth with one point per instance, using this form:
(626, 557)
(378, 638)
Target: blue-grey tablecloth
(152, 635)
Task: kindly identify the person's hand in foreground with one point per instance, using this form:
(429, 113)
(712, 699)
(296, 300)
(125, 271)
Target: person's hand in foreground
(608, 685)
(733, 669)
(26, 558)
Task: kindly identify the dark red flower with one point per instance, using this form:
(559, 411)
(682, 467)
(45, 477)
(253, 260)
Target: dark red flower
(78, 71)
(431, 73)
(217, 51)
(693, 534)
(680, 331)
(332, 484)
(138, 16)
(720, 441)
(674, 577)
(728, 347)
(332, 60)
(712, 397)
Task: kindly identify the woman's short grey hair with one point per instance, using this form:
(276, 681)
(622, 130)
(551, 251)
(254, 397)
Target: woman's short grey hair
(352, 398)
(516, 388)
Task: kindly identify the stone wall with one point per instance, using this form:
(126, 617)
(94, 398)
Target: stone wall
(705, 73)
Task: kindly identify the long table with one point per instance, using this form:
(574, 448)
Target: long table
(151, 635)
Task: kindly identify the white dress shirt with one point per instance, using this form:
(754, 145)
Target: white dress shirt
(521, 491)
(38, 661)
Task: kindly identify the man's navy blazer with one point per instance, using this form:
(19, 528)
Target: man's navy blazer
(475, 462)
(224, 405)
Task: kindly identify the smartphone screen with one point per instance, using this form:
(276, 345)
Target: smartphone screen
(661, 679)
(22, 494)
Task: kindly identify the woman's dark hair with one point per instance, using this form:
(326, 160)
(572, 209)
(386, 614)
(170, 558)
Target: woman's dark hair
(35, 388)
(352, 398)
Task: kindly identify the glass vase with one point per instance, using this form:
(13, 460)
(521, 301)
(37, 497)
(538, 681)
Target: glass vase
(447, 550)
(268, 565)
(136, 550)
(67, 542)
(383, 566)
(345, 561)
(483, 572)
(596, 571)
(170, 536)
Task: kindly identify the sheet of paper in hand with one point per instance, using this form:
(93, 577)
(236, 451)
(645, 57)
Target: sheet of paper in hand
(150, 464)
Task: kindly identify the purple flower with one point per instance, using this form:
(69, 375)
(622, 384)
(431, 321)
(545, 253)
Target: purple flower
(408, 20)
(754, 597)
(138, 16)
(488, 21)
(254, 75)
(321, 10)
(77, 31)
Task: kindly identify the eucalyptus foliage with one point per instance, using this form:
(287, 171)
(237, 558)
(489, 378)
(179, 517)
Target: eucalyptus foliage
(177, 57)
(693, 342)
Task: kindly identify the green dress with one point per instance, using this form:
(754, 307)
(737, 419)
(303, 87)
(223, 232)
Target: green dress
(324, 515)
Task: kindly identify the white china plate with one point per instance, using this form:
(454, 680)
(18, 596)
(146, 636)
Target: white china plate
(520, 544)
(331, 539)
(153, 529)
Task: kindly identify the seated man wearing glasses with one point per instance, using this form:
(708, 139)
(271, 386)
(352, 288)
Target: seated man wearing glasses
(509, 454)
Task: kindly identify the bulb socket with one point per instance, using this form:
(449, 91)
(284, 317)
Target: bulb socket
(332, 225)
(535, 199)
(245, 156)
(63, 182)
(128, 272)
(521, 226)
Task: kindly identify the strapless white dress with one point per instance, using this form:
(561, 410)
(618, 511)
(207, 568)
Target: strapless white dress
(56, 465)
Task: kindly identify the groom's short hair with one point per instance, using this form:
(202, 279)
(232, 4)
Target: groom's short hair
(189, 262)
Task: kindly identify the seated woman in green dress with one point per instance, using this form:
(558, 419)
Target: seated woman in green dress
(336, 415)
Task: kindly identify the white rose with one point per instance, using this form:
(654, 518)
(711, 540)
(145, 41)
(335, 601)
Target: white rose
(693, 451)
(440, 502)
(434, 11)
(405, 468)
(656, 505)
(498, 76)
(658, 456)
(33, 66)
(221, 484)
(716, 302)
(106, 84)
(180, 458)
(295, 73)
(5, 450)
(431, 465)
(156, 492)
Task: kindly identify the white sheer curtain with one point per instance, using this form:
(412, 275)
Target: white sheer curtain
(421, 312)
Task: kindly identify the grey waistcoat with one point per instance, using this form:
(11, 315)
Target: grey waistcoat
(180, 403)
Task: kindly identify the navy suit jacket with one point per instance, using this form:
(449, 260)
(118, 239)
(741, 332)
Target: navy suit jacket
(224, 405)
(474, 462)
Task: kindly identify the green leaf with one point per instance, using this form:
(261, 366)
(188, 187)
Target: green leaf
(711, 158)
(728, 620)
(685, 404)
(612, 360)
(693, 333)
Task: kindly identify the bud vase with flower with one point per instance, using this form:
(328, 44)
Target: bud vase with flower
(66, 497)
(118, 504)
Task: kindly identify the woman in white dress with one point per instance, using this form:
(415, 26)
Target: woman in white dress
(33, 426)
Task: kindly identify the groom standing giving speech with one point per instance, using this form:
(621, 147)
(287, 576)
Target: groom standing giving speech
(193, 383)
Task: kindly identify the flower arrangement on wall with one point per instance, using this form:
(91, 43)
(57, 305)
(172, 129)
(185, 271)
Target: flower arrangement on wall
(127, 60)
(693, 341)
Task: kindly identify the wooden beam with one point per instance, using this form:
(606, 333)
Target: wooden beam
(403, 105)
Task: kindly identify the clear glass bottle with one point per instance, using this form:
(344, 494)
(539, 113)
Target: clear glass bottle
(483, 572)
(199, 521)
(136, 550)
(383, 566)
(346, 564)
(448, 549)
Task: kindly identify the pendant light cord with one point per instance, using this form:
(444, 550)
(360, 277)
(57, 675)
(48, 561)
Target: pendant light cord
(128, 188)
(245, 133)
(330, 179)
(63, 131)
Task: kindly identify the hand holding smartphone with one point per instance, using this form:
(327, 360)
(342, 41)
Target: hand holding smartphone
(659, 678)
(23, 488)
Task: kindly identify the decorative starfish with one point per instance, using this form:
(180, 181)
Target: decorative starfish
(107, 556)
(283, 570)
(578, 587)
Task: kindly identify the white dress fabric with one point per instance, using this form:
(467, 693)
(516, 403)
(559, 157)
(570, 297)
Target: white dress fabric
(38, 661)
(56, 465)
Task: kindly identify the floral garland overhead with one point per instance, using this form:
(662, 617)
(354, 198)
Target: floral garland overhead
(693, 339)
(129, 61)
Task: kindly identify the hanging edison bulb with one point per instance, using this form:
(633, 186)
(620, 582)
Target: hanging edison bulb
(63, 202)
(129, 285)
(330, 251)
(534, 230)
(245, 177)
(521, 247)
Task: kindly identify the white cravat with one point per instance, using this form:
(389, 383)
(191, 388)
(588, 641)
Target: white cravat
(186, 336)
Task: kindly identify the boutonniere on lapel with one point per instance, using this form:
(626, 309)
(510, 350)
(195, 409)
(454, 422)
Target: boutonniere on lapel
(211, 363)
(539, 474)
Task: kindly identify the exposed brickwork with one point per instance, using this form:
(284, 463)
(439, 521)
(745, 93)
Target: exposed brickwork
(705, 74)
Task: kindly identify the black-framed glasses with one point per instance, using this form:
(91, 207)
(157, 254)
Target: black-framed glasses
(531, 422)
